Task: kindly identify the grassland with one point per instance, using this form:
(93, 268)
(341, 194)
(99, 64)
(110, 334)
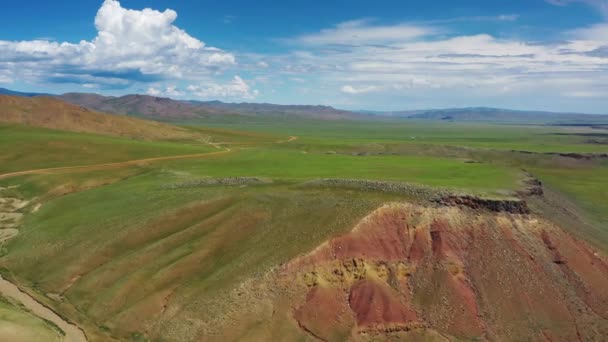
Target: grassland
(124, 253)
(26, 148)
(328, 135)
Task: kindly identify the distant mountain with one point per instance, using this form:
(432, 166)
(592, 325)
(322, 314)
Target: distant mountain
(50, 112)
(497, 115)
(166, 109)
(267, 109)
(169, 109)
(4, 91)
(140, 105)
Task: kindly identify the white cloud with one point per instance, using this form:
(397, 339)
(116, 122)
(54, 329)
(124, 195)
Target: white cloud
(348, 89)
(131, 45)
(600, 5)
(236, 89)
(153, 91)
(169, 91)
(585, 94)
(596, 33)
(358, 32)
(6, 77)
(474, 67)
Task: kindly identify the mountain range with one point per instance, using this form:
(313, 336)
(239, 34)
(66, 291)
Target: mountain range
(166, 109)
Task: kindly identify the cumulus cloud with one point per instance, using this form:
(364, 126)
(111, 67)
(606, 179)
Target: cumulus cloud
(134, 46)
(235, 89)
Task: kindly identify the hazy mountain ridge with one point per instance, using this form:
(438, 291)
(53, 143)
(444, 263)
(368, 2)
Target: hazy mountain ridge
(310, 111)
(167, 109)
(498, 115)
(4, 91)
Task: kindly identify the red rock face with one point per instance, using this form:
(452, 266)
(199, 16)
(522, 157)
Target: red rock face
(325, 313)
(376, 304)
(453, 273)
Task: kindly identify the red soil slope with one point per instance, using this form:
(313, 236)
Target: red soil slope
(408, 271)
(52, 113)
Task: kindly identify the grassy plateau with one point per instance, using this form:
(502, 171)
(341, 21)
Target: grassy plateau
(149, 251)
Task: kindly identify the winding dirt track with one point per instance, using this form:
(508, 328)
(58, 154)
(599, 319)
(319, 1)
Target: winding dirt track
(129, 162)
(290, 139)
(111, 165)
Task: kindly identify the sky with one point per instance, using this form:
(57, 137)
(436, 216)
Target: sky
(383, 55)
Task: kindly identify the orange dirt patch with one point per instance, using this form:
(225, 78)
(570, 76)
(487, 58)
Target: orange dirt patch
(325, 314)
(378, 307)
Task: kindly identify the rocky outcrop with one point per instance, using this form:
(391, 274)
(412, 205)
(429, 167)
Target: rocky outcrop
(532, 187)
(514, 206)
(579, 156)
(228, 181)
(408, 189)
(408, 272)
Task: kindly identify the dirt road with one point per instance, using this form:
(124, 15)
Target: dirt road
(290, 139)
(111, 165)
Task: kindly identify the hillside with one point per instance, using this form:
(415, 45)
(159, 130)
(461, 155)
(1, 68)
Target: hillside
(412, 272)
(268, 109)
(52, 113)
(140, 105)
(169, 109)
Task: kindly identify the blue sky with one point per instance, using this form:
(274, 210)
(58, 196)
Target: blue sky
(383, 55)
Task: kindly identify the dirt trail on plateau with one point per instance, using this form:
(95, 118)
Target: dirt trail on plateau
(290, 139)
(9, 220)
(129, 162)
(110, 165)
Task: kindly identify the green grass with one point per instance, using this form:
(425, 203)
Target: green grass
(295, 165)
(202, 240)
(333, 134)
(26, 148)
(588, 188)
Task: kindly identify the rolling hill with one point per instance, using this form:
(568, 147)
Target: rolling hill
(167, 109)
(268, 109)
(140, 105)
(48, 112)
